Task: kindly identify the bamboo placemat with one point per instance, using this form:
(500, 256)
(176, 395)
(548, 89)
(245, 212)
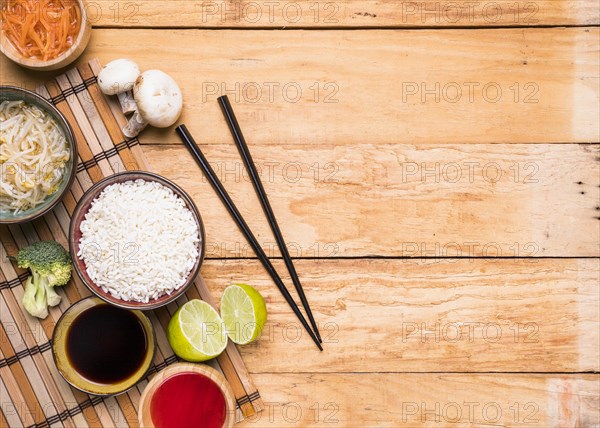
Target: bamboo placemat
(32, 392)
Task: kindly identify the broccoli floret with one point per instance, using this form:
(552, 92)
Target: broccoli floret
(50, 266)
(34, 299)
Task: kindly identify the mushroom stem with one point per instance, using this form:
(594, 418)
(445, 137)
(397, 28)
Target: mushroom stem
(135, 125)
(127, 102)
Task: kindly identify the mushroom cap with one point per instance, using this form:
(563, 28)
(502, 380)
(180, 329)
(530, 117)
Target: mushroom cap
(158, 98)
(118, 76)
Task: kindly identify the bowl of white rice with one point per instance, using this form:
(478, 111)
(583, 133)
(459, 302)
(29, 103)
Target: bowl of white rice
(137, 240)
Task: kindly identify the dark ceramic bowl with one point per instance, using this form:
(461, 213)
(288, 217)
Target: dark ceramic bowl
(12, 93)
(83, 207)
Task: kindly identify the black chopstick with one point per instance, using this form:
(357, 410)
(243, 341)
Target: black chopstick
(240, 142)
(189, 142)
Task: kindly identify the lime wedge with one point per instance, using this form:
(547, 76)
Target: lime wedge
(244, 312)
(196, 332)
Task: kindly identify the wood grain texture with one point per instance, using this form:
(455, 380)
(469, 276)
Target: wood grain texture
(484, 200)
(428, 316)
(376, 87)
(341, 13)
(364, 163)
(428, 400)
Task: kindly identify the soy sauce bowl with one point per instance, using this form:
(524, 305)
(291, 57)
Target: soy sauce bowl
(67, 365)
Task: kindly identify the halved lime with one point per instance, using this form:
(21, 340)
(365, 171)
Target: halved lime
(244, 312)
(196, 332)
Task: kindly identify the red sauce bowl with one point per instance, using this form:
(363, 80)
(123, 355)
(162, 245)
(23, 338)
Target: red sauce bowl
(186, 394)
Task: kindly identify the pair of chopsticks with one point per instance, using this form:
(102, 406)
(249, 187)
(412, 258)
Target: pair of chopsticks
(238, 137)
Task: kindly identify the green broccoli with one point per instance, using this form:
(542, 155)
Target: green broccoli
(50, 266)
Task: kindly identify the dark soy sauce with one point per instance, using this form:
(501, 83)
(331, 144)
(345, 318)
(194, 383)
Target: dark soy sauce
(106, 344)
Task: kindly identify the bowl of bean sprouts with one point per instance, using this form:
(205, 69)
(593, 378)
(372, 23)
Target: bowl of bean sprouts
(38, 155)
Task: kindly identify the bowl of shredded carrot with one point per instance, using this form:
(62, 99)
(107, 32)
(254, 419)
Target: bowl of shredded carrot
(43, 34)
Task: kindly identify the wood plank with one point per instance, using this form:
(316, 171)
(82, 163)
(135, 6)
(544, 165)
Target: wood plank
(428, 316)
(428, 400)
(420, 86)
(341, 13)
(484, 200)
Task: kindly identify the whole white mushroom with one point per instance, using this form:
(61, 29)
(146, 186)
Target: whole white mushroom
(159, 102)
(117, 78)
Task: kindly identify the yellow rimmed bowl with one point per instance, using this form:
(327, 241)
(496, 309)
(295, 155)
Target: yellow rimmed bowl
(78, 380)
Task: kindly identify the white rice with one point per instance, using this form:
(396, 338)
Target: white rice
(139, 241)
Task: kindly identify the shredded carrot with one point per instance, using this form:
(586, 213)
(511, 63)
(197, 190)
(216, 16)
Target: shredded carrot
(25, 29)
(41, 29)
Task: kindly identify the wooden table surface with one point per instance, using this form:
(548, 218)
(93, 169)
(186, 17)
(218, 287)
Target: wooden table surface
(435, 168)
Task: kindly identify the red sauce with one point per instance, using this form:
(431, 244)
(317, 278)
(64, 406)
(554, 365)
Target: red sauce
(188, 400)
